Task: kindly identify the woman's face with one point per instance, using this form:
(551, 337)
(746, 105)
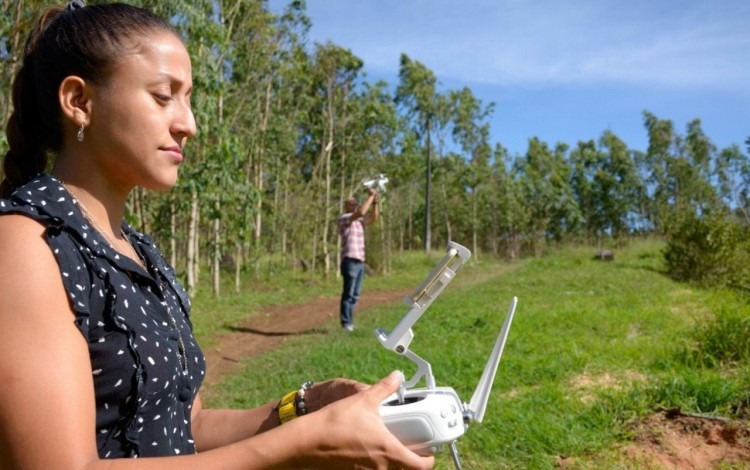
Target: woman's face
(141, 119)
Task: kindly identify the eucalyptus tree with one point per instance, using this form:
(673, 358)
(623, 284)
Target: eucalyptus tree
(416, 95)
(255, 42)
(441, 147)
(213, 181)
(684, 171)
(733, 172)
(621, 186)
(404, 171)
(705, 242)
(471, 130)
(451, 174)
(605, 185)
(334, 75)
(544, 179)
(586, 161)
(370, 137)
(661, 139)
(15, 22)
(289, 110)
(509, 215)
(698, 183)
(565, 213)
(263, 116)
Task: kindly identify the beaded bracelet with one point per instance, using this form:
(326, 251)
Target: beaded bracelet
(293, 403)
(300, 402)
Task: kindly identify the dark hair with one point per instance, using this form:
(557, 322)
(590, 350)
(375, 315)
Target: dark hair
(86, 41)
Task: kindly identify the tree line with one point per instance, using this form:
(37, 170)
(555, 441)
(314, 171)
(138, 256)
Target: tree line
(288, 130)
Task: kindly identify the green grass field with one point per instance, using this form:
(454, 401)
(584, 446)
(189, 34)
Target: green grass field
(594, 347)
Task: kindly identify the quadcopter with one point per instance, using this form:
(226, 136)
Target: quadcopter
(425, 419)
(377, 183)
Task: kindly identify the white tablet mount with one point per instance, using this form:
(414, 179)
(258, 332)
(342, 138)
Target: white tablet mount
(426, 418)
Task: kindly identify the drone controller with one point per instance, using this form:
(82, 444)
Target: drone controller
(425, 419)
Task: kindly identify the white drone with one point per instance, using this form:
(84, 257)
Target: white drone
(426, 418)
(377, 183)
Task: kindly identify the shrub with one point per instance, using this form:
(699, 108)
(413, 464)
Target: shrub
(725, 338)
(710, 250)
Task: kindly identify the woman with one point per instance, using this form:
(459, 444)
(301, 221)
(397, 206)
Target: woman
(97, 357)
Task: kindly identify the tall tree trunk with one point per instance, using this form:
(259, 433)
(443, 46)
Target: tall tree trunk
(237, 267)
(474, 223)
(172, 234)
(314, 260)
(216, 255)
(328, 149)
(192, 255)
(260, 167)
(428, 177)
(446, 212)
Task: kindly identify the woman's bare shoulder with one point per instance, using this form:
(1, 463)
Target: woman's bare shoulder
(20, 235)
(12, 223)
(27, 263)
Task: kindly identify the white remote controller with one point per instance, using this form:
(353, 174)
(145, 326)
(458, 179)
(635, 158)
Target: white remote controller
(425, 419)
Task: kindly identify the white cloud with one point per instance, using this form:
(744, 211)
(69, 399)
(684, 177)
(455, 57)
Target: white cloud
(547, 42)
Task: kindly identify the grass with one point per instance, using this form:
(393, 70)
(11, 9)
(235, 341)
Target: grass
(594, 346)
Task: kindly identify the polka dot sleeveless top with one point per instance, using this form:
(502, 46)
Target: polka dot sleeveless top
(145, 363)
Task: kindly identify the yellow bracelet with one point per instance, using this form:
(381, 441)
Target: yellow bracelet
(287, 407)
(293, 403)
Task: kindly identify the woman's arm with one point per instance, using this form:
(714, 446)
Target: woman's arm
(214, 428)
(47, 413)
(47, 405)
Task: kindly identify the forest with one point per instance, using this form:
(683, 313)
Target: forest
(289, 129)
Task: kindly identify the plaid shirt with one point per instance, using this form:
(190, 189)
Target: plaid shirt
(352, 234)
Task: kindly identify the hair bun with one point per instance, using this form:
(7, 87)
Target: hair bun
(74, 5)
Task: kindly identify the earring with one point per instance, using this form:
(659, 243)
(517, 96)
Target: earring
(79, 135)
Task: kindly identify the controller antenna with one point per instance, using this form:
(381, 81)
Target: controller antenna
(478, 404)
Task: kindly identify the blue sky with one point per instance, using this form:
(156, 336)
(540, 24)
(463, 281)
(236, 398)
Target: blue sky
(563, 70)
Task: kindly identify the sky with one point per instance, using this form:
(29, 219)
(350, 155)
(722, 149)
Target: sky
(563, 70)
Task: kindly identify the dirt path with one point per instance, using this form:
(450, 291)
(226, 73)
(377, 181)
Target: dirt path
(273, 325)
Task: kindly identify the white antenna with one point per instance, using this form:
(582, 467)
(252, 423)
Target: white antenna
(481, 396)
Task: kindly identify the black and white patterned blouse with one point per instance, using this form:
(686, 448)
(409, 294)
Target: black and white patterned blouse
(144, 395)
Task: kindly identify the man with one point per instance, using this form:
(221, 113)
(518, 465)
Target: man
(352, 233)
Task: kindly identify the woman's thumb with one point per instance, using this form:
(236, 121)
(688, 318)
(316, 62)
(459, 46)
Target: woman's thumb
(388, 385)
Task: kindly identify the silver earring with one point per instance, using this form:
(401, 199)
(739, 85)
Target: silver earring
(79, 135)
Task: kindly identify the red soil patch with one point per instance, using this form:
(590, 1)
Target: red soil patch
(673, 440)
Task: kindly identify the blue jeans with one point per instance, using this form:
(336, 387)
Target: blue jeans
(352, 271)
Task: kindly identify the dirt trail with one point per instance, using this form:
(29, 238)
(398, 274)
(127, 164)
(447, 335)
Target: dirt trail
(273, 325)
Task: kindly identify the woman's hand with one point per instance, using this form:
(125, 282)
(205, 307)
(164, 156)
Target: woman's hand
(349, 433)
(330, 391)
